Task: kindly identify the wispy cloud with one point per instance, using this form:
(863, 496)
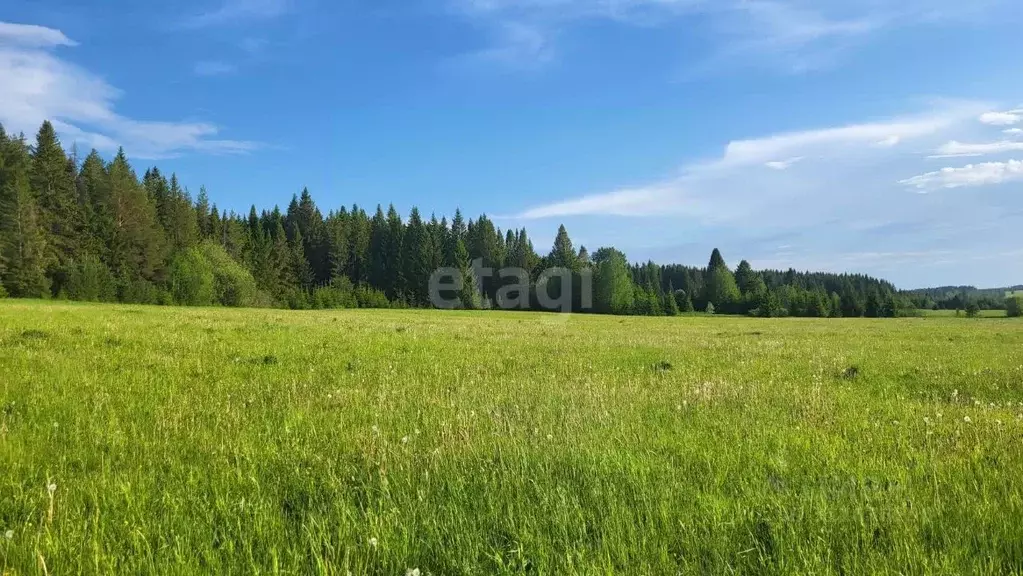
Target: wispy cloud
(214, 68)
(956, 149)
(985, 174)
(813, 162)
(32, 36)
(783, 164)
(39, 85)
(1002, 118)
(239, 11)
(799, 35)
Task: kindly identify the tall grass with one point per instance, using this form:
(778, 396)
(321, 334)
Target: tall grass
(381, 442)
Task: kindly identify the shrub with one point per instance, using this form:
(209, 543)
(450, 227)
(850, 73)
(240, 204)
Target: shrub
(207, 275)
(710, 308)
(192, 279)
(338, 294)
(90, 280)
(233, 285)
(371, 298)
(137, 291)
(1014, 306)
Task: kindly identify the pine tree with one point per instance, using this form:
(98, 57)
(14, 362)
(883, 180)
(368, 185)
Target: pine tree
(562, 254)
(53, 184)
(379, 243)
(416, 260)
(300, 270)
(137, 244)
(687, 304)
(670, 304)
(395, 278)
(21, 239)
(469, 295)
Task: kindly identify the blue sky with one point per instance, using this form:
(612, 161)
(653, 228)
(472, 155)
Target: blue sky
(880, 136)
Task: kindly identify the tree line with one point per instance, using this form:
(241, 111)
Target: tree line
(962, 298)
(92, 230)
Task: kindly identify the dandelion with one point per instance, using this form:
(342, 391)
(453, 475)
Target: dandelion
(51, 489)
(372, 542)
(9, 534)
(967, 419)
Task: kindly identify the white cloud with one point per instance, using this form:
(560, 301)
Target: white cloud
(889, 142)
(718, 191)
(237, 11)
(1013, 131)
(1002, 118)
(627, 202)
(955, 149)
(759, 150)
(783, 164)
(38, 85)
(985, 174)
(32, 36)
(214, 68)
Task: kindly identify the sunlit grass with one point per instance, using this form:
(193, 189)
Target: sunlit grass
(239, 441)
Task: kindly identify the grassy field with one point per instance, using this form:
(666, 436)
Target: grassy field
(952, 314)
(143, 440)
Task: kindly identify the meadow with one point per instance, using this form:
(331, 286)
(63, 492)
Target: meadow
(146, 440)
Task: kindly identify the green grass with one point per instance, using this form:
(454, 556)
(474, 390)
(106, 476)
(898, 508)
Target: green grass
(374, 442)
(962, 314)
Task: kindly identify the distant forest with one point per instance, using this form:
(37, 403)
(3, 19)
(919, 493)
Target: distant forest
(961, 297)
(92, 230)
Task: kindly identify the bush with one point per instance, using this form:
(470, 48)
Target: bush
(1014, 306)
(192, 279)
(207, 275)
(90, 280)
(371, 298)
(710, 308)
(338, 294)
(137, 291)
(233, 284)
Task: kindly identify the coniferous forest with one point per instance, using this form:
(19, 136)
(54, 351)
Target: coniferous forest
(92, 230)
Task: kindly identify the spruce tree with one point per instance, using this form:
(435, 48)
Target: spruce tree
(394, 281)
(137, 244)
(53, 184)
(21, 238)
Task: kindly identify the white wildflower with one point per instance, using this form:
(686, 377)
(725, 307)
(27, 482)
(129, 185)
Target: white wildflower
(9, 534)
(404, 439)
(372, 542)
(967, 419)
(412, 572)
(51, 489)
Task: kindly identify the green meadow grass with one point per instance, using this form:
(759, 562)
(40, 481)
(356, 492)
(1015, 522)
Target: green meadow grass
(215, 441)
(962, 314)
